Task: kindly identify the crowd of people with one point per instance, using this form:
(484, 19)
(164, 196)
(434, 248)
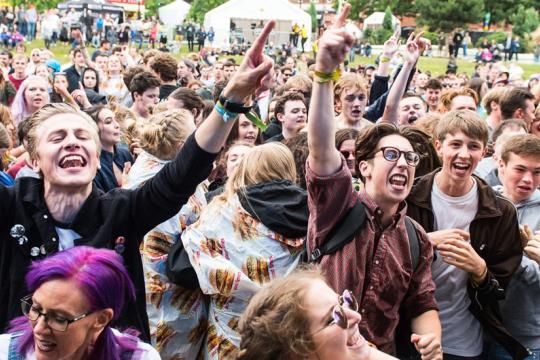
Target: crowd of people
(281, 208)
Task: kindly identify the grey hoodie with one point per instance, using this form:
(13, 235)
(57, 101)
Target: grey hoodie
(520, 309)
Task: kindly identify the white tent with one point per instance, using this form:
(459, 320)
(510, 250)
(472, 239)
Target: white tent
(249, 17)
(173, 14)
(375, 20)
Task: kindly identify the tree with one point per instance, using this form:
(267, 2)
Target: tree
(501, 10)
(200, 7)
(524, 21)
(387, 20)
(447, 15)
(152, 6)
(313, 14)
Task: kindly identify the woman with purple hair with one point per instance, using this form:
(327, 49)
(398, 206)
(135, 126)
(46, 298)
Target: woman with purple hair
(74, 296)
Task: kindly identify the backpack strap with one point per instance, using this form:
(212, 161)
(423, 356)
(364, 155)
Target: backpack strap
(414, 245)
(342, 233)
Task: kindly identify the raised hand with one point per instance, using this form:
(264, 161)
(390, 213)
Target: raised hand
(334, 44)
(391, 46)
(412, 52)
(255, 73)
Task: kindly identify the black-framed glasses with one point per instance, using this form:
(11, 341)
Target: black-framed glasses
(393, 154)
(339, 316)
(351, 98)
(54, 321)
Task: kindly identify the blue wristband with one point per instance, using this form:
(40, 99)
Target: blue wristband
(227, 115)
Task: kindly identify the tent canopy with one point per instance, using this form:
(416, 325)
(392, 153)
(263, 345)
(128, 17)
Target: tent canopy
(376, 19)
(249, 17)
(173, 14)
(93, 5)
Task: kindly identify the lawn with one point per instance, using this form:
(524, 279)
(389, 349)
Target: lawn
(433, 64)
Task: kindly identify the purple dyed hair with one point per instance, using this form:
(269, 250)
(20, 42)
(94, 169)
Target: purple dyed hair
(101, 276)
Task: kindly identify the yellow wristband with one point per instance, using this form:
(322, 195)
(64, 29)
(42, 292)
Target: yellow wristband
(385, 59)
(324, 77)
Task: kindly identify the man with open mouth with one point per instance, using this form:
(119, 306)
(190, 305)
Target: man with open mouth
(476, 239)
(376, 265)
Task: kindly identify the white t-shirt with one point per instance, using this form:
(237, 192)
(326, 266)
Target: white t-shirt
(462, 334)
(144, 351)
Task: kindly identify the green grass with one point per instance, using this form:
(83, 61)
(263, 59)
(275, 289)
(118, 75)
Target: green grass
(435, 65)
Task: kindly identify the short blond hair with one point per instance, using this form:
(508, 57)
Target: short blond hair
(349, 81)
(46, 112)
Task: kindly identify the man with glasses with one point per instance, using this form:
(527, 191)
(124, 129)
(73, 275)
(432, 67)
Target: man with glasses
(476, 238)
(377, 265)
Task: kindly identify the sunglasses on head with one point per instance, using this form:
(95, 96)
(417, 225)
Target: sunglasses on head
(339, 316)
(393, 154)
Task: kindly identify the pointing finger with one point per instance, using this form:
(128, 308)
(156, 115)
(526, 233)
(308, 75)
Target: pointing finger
(342, 17)
(258, 44)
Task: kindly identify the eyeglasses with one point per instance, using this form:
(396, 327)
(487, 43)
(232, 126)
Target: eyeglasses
(351, 98)
(55, 322)
(346, 153)
(392, 154)
(339, 317)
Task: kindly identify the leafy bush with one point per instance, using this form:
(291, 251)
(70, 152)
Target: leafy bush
(432, 36)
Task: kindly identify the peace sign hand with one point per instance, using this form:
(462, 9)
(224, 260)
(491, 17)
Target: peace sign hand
(334, 44)
(391, 45)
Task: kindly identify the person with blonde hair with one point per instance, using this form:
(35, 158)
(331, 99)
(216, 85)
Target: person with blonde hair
(251, 234)
(172, 320)
(300, 317)
(350, 100)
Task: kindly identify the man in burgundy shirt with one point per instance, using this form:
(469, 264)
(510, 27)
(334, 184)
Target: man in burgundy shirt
(377, 265)
(19, 70)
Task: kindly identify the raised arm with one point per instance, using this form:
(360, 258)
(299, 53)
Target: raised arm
(334, 45)
(412, 52)
(254, 75)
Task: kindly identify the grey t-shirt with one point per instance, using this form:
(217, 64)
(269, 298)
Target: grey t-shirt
(461, 332)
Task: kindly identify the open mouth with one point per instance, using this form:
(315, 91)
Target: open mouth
(356, 341)
(72, 161)
(398, 181)
(45, 346)
(356, 113)
(412, 119)
(524, 188)
(462, 167)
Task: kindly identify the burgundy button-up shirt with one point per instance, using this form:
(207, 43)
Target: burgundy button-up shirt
(377, 265)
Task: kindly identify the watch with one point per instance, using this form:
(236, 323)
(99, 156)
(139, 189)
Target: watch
(233, 107)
